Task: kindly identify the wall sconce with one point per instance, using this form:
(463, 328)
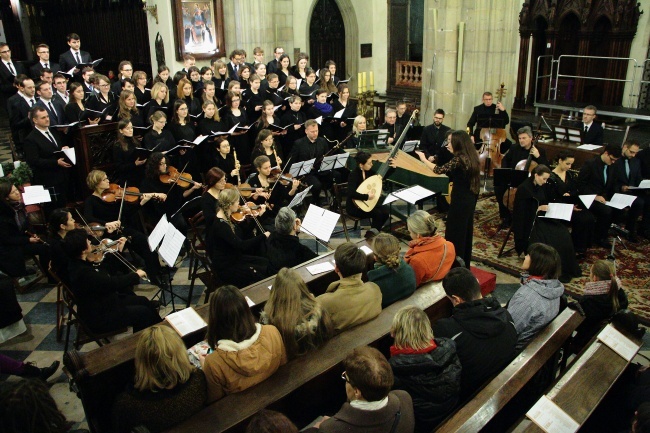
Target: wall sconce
(153, 10)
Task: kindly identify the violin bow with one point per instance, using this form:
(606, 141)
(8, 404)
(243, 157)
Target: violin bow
(241, 197)
(179, 176)
(119, 215)
(281, 173)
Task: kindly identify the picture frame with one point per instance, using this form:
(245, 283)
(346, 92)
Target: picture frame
(199, 28)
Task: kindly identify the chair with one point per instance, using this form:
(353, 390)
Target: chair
(60, 303)
(341, 189)
(510, 205)
(40, 274)
(625, 128)
(199, 258)
(568, 117)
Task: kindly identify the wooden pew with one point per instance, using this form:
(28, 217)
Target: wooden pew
(585, 383)
(494, 396)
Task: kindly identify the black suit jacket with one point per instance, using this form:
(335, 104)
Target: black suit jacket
(481, 116)
(19, 123)
(35, 70)
(594, 135)
(7, 78)
(58, 117)
(39, 153)
(67, 60)
(432, 139)
(644, 159)
(231, 71)
(620, 177)
(304, 149)
(272, 66)
(591, 179)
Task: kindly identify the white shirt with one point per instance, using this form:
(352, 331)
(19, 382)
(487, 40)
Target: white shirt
(63, 96)
(28, 99)
(45, 133)
(12, 68)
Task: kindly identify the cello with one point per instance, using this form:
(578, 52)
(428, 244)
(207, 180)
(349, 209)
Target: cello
(492, 139)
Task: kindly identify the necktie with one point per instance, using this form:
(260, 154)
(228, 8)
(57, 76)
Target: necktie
(56, 118)
(45, 65)
(605, 173)
(49, 137)
(627, 168)
(586, 128)
(11, 69)
(31, 102)
(78, 58)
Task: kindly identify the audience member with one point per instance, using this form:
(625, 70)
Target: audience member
(427, 368)
(244, 353)
(283, 247)
(537, 301)
(167, 388)
(13, 367)
(484, 332)
(395, 277)
(350, 301)
(429, 254)
(371, 406)
(270, 421)
(303, 323)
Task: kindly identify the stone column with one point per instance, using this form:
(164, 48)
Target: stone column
(524, 46)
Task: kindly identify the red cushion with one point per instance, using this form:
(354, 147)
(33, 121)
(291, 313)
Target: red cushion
(487, 280)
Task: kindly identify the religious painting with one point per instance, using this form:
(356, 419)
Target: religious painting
(199, 28)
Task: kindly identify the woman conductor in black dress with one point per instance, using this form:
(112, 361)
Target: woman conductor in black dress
(463, 171)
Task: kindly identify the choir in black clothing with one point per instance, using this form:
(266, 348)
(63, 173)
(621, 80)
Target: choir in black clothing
(265, 145)
(128, 167)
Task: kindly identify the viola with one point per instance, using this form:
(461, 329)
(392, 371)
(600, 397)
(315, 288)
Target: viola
(285, 179)
(245, 189)
(174, 176)
(250, 210)
(98, 253)
(116, 192)
(93, 229)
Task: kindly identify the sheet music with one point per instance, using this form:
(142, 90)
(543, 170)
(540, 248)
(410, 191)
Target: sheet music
(199, 139)
(70, 153)
(559, 211)
(158, 233)
(186, 321)
(366, 249)
(413, 194)
(389, 199)
(549, 417)
(320, 268)
(618, 342)
(334, 161)
(339, 113)
(299, 197)
(249, 301)
(645, 184)
(621, 201)
(589, 147)
(320, 222)
(171, 245)
(36, 194)
(587, 199)
(302, 168)
(409, 146)
(319, 120)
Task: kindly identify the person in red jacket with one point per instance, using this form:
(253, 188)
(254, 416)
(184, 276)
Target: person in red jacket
(430, 255)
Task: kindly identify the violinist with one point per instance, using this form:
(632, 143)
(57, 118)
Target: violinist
(128, 167)
(170, 196)
(296, 118)
(128, 109)
(225, 160)
(280, 194)
(16, 245)
(265, 145)
(105, 301)
(107, 214)
(380, 214)
(267, 118)
(215, 182)
(515, 155)
(231, 256)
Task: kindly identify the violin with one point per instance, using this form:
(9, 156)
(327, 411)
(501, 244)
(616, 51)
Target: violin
(97, 254)
(245, 189)
(285, 179)
(249, 209)
(93, 229)
(174, 176)
(116, 192)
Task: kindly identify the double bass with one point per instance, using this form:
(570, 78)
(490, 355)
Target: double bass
(492, 139)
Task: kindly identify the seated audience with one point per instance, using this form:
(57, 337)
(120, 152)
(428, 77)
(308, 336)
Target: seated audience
(167, 388)
(537, 301)
(26, 406)
(350, 301)
(395, 278)
(602, 298)
(284, 249)
(270, 421)
(427, 368)
(371, 406)
(106, 301)
(244, 353)
(429, 254)
(302, 322)
(483, 331)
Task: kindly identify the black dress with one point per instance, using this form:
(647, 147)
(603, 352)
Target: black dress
(292, 118)
(125, 168)
(142, 97)
(227, 164)
(210, 207)
(460, 217)
(241, 143)
(189, 160)
(72, 112)
(97, 102)
(379, 214)
(583, 222)
(349, 113)
(207, 151)
(15, 246)
(528, 228)
(161, 142)
(232, 258)
(254, 100)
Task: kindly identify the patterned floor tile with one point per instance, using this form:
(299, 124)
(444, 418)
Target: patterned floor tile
(29, 340)
(41, 314)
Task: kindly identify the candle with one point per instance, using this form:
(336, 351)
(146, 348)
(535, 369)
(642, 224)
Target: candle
(359, 86)
(372, 80)
(363, 81)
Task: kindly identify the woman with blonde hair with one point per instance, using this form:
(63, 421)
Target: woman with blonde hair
(128, 109)
(392, 274)
(427, 368)
(429, 254)
(185, 92)
(167, 388)
(301, 320)
(159, 99)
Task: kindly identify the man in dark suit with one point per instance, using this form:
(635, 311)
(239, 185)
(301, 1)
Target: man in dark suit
(626, 172)
(8, 73)
(50, 169)
(644, 158)
(274, 65)
(592, 131)
(236, 60)
(87, 81)
(433, 137)
(18, 107)
(309, 147)
(74, 56)
(595, 178)
(43, 53)
(485, 116)
(61, 86)
(54, 107)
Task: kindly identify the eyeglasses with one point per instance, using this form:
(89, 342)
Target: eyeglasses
(104, 85)
(344, 376)
(439, 118)
(5, 51)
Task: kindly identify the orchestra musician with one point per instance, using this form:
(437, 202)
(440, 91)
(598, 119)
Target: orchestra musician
(433, 139)
(225, 160)
(390, 124)
(215, 182)
(276, 194)
(485, 116)
(283, 246)
(380, 214)
(265, 145)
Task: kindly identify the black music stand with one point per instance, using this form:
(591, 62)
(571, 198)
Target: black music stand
(372, 139)
(489, 122)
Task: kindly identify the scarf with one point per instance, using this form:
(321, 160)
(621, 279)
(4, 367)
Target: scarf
(19, 215)
(323, 108)
(394, 350)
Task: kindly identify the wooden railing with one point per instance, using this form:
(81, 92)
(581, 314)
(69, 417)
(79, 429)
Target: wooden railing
(408, 74)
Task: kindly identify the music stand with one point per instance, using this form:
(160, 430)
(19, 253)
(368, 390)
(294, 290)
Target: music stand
(302, 168)
(373, 139)
(334, 161)
(568, 133)
(489, 122)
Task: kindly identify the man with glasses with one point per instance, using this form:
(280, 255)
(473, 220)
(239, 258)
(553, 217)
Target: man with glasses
(274, 65)
(486, 116)
(8, 72)
(592, 133)
(595, 177)
(433, 137)
(125, 71)
(390, 121)
(43, 53)
(236, 62)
